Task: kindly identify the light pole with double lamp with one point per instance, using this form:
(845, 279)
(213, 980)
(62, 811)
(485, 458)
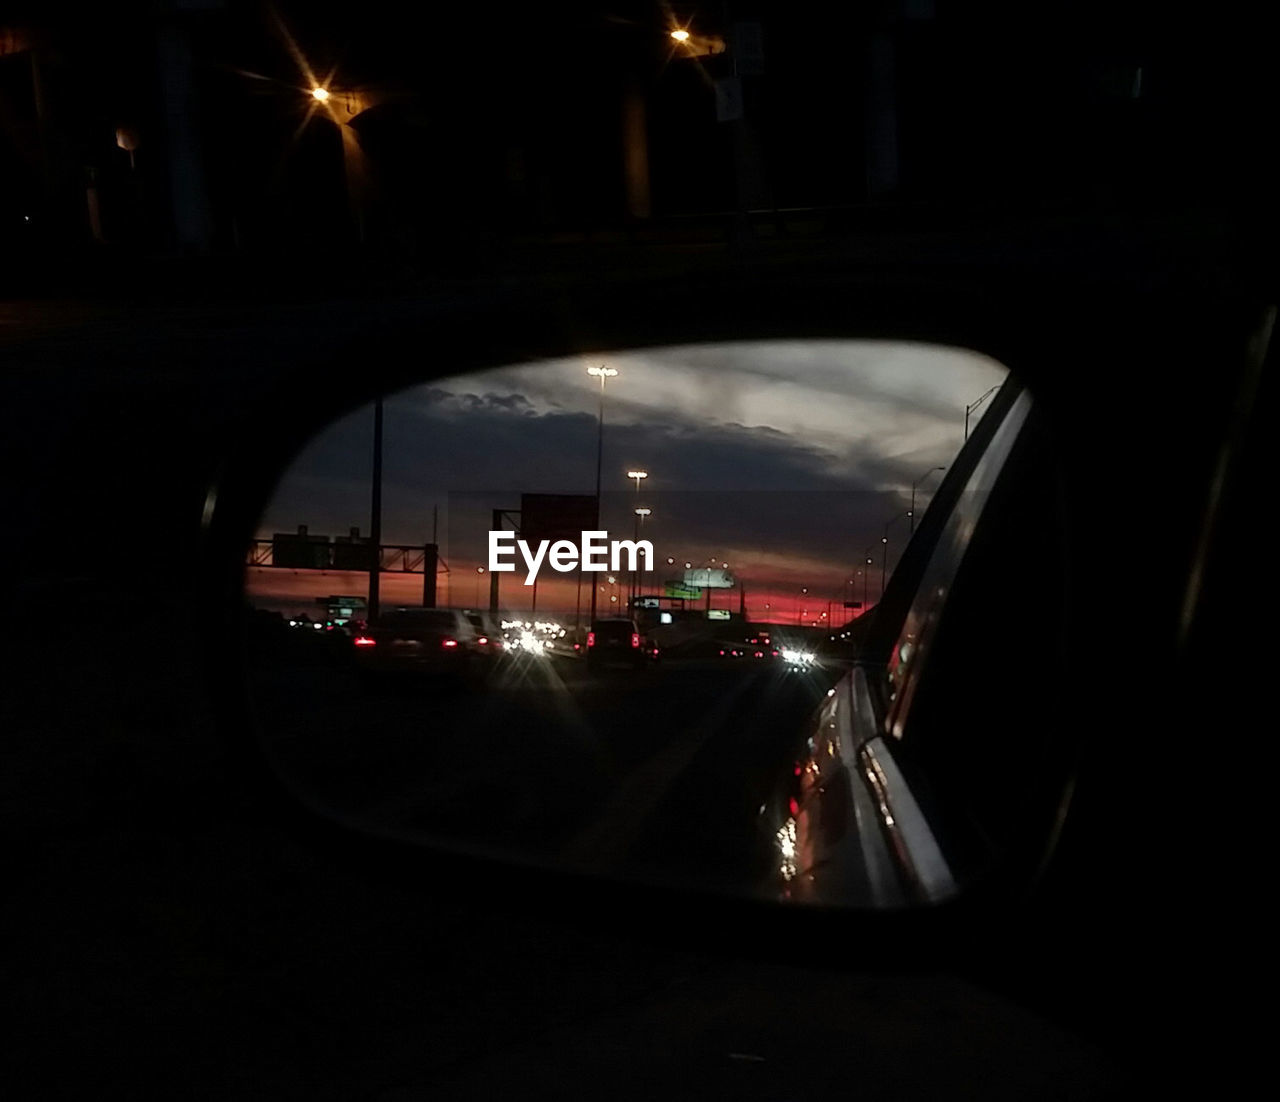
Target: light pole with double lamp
(641, 513)
(604, 374)
(638, 476)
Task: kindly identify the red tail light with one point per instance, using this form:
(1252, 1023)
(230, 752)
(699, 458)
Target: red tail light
(635, 639)
(484, 639)
(365, 641)
(591, 638)
(449, 643)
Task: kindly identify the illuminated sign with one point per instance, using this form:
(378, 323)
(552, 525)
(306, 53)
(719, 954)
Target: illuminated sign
(712, 578)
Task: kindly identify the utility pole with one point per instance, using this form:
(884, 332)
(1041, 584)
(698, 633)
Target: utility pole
(493, 574)
(603, 374)
(913, 494)
(375, 527)
(431, 561)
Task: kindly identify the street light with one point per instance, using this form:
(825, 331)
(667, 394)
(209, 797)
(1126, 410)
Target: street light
(884, 540)
(604, 374)
(638, 476)
(974, 405)
(866, 574)
(320, 94)
(641, 513)
(479, 571)
(913, 494)
(680, 35)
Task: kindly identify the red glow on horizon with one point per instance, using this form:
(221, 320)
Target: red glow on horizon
(769, 600)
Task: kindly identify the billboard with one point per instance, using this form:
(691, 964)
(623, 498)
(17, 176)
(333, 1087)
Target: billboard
(353, 553)
(554, 517)
(709, 578)
(300, 550)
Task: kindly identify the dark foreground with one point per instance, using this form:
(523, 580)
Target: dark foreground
(166, 941)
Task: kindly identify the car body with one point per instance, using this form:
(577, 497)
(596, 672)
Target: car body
(423, 641)
(618, 641)
(489, 642)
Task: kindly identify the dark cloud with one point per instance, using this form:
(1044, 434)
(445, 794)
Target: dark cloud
(755, 494)
(726, 484)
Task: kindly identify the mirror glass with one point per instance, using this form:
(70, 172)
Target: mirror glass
(614, 595)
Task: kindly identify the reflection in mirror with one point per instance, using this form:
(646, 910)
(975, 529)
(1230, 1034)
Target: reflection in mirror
(617, 599)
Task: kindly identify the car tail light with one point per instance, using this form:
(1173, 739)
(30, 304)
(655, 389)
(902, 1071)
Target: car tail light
(365, 641)
(483, 640)
(591, 638)
(635, 639)
(449, 643)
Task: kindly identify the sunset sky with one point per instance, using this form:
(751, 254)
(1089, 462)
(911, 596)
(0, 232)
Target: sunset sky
(783, 459)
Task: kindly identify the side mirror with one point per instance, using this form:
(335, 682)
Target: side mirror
(758, 507)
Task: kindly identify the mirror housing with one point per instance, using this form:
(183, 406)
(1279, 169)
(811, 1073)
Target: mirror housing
(1043, 329)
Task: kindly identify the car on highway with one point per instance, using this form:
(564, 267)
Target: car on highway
(618, 641)
(422, 641)
(489, 642)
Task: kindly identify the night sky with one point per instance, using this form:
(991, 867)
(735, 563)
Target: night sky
(783, 459)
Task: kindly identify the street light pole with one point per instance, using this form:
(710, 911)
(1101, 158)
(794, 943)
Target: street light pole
(375, 509)
(603, 374)
(638, 476)
(974, 405)
(913, 494)
(641, 513)
(884, 540)
(866, 574)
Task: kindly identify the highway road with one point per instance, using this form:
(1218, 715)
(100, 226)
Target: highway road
(660, 771)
